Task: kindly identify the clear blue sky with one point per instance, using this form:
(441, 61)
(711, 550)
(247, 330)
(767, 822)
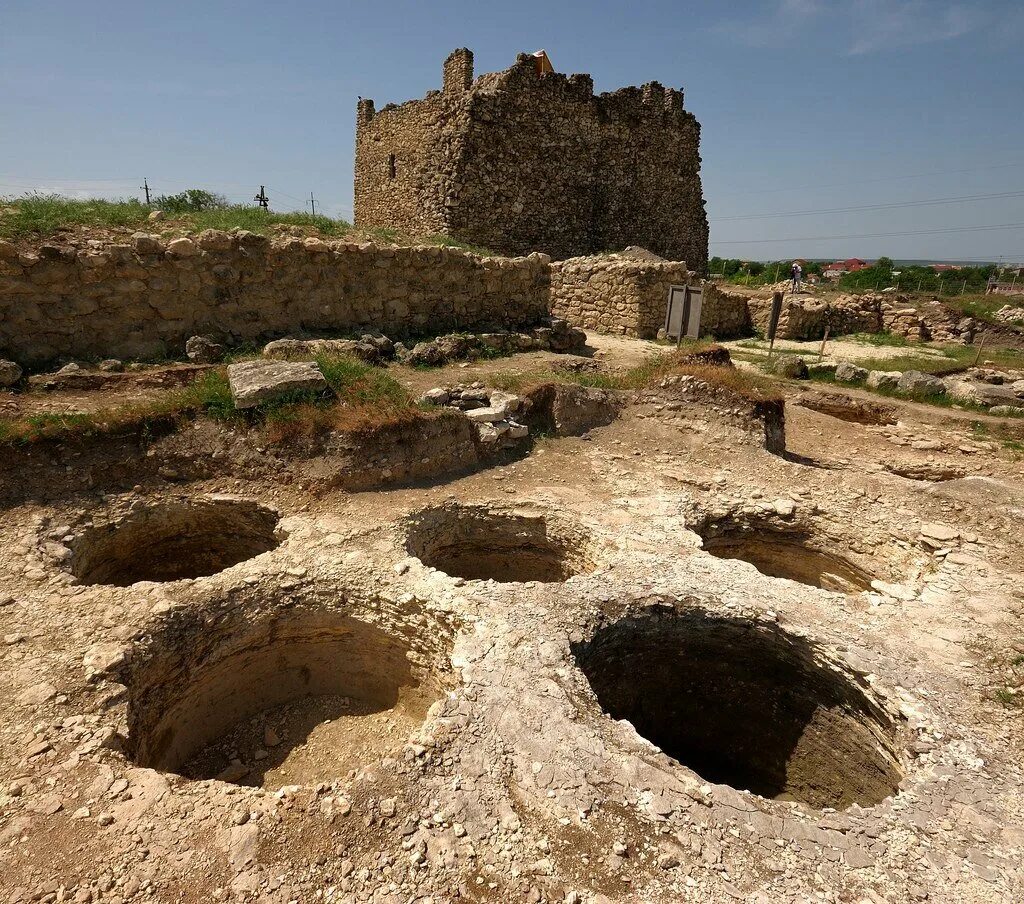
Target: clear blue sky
(805, 104)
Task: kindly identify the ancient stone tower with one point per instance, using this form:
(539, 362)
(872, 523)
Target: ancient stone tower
(526, 160)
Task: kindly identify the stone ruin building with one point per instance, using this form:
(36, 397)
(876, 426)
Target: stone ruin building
(532, 160)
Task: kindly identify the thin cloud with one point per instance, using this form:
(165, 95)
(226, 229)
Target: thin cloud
(869, 26)
(885, 25)
(784, 22)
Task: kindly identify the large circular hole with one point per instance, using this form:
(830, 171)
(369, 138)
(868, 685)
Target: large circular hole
(785, 553)
(745, 704)
(478, 543)
(173, 539)
(296, 698)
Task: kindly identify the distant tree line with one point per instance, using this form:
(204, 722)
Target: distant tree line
(883, 274)
(758, 273)
(912, 277)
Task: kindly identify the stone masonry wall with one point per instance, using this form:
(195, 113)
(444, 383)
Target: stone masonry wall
(146, 298)
(610, 294)
(724, 315)
(520, 161)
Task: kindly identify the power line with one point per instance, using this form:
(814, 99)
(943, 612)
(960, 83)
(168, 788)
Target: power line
(789, 188)
(925, 202)
(872, 235)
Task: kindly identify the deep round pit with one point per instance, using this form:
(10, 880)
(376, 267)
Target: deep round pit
(478, 544)
(791, 554)
(745, 704)
(173, 539)
(294, 699)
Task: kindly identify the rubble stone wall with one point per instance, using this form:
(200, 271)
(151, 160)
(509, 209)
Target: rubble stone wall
(145, 299)
(807, 318)
(519, 161)
(724, 315)
(610, 294)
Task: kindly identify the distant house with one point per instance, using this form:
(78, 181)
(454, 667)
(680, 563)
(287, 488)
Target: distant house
(944, 268)
(837, 269)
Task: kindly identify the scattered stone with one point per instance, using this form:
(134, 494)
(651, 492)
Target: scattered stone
(940, 532)
(850, 373)
(111, 366)
(258, 382)
(554, 334)
(155, 216)
(436, 396)
(791, 367)
(1006, 411)
(10, 373)
(203, 350)
(913, 381)
(369, 348)
(182, 248)
(883, 379)
(143, 243)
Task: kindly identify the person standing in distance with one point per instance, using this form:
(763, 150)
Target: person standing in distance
(798, 273)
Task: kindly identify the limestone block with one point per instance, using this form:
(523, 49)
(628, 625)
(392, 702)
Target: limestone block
(916, 381)
(883, 379)
(850, 373)
(182, 247)
(257, 382)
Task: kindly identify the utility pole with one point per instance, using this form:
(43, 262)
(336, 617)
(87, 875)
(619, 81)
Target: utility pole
(145, 188)
(312, 203)
(262, 199)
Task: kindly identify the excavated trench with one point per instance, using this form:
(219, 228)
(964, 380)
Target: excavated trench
(173, 539)
(297, 697)
(795, 554)
(478, 543)
(745, 704)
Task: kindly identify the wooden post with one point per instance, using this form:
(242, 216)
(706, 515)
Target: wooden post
(773, 322)
(981, 347)
(824, 339)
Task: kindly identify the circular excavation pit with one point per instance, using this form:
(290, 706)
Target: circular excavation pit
(479, 544)
(785, 553)
(295, 699)
(745, 704)
(173, 539)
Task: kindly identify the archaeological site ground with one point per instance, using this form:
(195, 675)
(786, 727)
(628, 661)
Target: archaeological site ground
(363, 567)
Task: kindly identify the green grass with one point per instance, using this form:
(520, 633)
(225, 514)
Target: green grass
(881, 339)
(979, 306)
(357, 383)
(44, 215)
(364, 397)
(1007, 698)
(209, 395)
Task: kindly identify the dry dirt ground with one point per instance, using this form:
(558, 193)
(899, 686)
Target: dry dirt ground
(321, 715)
